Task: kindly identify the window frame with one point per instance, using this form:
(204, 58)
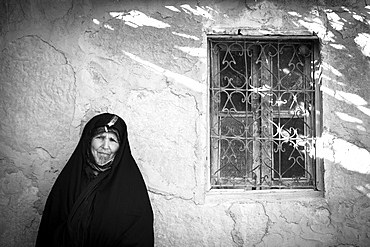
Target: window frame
(318, 166)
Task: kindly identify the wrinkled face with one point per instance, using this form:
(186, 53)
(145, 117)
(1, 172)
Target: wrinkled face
(104, 147)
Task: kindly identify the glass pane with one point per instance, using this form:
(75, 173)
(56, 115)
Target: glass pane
(291, 75)
(235, 151)
(232, 78)
(233, 158)
(291, 65)
(233, 126)
(289, 148)
(233, 101)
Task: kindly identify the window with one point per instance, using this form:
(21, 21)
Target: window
(264, 112)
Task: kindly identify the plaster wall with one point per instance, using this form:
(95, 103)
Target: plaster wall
(62, 62)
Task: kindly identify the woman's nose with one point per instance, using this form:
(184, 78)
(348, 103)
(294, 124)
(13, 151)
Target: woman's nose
(106, 144)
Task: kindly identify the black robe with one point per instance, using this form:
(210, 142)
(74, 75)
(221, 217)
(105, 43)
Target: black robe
(112, 209)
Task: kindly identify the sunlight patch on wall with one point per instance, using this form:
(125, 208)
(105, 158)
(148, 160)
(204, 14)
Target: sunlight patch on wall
(364, 189)
(173, 8)
(348, 118)
(349, 98)
(359, 17)
(363, 41)
(293, 13)
(345, 117)
(338, 46)
(328, 79)
(314, 25)
(344, 153)
(136, 19)
(107, 26)
(178, 78)
(192, 51)
(198, 11)
(335, 21)
(360, 127)
(317, 27)
(332, 69)
(364, 110)
(185, 36)
(351, 157)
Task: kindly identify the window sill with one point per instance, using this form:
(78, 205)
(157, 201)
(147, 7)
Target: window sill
(219, 195)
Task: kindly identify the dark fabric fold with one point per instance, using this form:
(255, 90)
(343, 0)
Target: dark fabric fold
(112, 209)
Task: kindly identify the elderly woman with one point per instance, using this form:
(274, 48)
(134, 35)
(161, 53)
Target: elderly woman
(100, 198)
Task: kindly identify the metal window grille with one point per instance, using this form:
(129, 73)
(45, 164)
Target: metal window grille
(264, 111)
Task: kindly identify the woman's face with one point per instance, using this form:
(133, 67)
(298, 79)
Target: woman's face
(104, 147)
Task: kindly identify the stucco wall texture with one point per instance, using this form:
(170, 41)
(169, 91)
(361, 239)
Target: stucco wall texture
(63, 61)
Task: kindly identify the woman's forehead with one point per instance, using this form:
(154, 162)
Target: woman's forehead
(107, 134)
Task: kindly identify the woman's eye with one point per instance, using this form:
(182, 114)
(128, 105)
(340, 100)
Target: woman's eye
(113, 140)
(99, 137)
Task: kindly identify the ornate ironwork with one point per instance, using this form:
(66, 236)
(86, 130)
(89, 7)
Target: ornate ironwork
(262, 114)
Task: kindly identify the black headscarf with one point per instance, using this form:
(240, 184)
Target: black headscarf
(112, 209)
